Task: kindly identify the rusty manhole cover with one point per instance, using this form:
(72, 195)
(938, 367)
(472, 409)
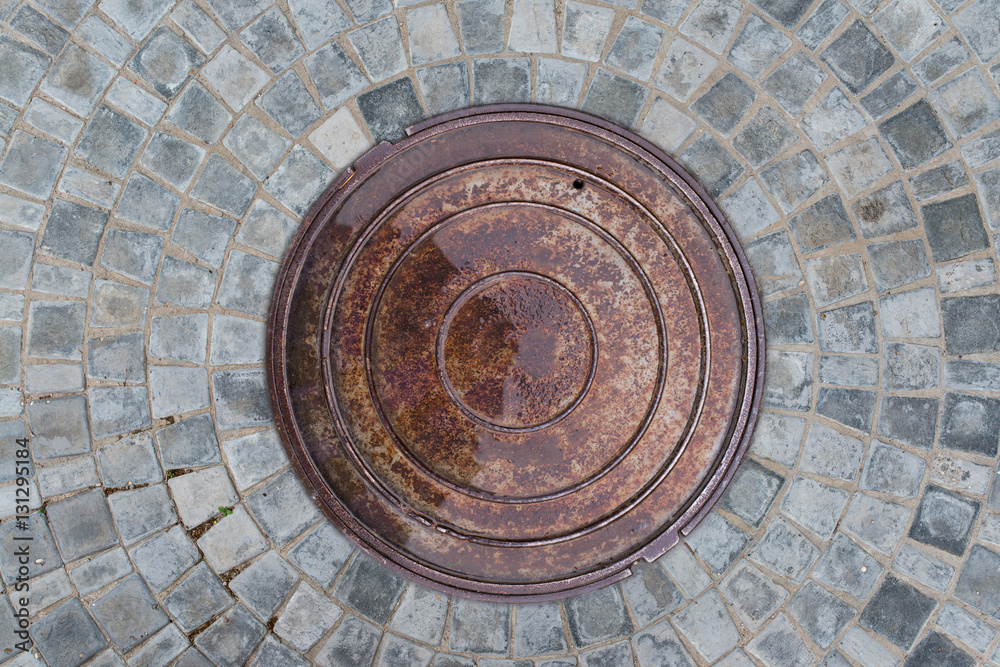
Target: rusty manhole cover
(515, 352)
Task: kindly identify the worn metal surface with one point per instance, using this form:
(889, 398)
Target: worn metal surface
(515, 352)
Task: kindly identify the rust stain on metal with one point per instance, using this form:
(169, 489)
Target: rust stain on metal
(516, 352)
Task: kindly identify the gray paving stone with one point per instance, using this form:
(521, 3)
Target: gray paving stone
(752, 594)
(712, 22)
(635, 48)
(234, 77)
(533, 27)
(300, 179)
(141, 512)
(875, 522)
(615, 98)
(164, 558)
(179, 337)
(12, 307)
(685, 570)
(252, 458)
(822, 225)
(353, 643)
(172, 159)
(167, 62)
(267, 229)
(608, 656)
(944, 520)
(184, 284)
(848, 568)
(664, 11)
(497, 80)
(897, 263)
(147, 204)
(822, 22)
(55, 329)
(832, 454)
(784, 550)
(854, 408)
(380, 48)
(788, 320)
(7, 117)
(915, 134)
(307, 617)
(197, 25)
(970, 424)
(966, 103)
(204, 236)
(272, 39)
(969, 324)
(751, 492)
(368, 10)
(971, 375)
(318, 21)
(136, 18)
(198, 113)
(111, 142)
(59, 427)
(199, 597)
(788, 383)
(897, 612)
(335, 76)
(983, 150)
(21, 212)
(925, 569)
(910, 314)
(67, 475)
(936, 649)
(273, 653)
(431, 37)
(764, 137)
(60, 280)
(908, 366)
(31, 165)
(779, 643)
(193, 658)
(757, 46)
(862, 647)
(862, 372)
(833, 279)
(909, 26)
(236, 15)
(393, 107)
(961, 624)
(237, 340)
(265, 584)
(885, 211)
(10, 433)
(82, 524)
(232, 639)
(68, 636)
(539, 628)
(660, 645)
(134, 255)
(60, 124)
(118, 305)
(585, 31)
(707, 626)
(857, 57)
(597, 616)
(777, 438)
(909, 420)
(480, 627)
(77, 80)
(280, 499)
(961, 475)
(718, 542)
(794, 82)
(373, 591)
(748, 209)
(793, 180)
(833, 120)
(163, 648)
(117, 358)
(256, 146)
(481, 25)
(323, 553)
(99, 571)
(221, 185)
(725, 103)
(232, 541)
(714, 167)
(974, 24)
(17, 259)
(891, 470)
(814, 506)
(26, 67)
(988, 185)
(53, 378)
(42, 547)
(199, 495)
(941, 61)
(128, 613)
(241, 399)
(446, 87)
(129, 97)
(977, 584)
(684, 67)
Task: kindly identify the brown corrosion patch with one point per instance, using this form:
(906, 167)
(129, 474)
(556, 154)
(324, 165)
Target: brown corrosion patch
(516, 352)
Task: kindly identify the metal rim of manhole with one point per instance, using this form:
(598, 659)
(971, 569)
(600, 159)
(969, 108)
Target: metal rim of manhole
(515, 352)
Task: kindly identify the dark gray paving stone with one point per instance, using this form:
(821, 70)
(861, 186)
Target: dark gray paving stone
(833, 279)
(852, 371)
(970, 324)
(480, 627)
(223, 186)
(718, 542)
(82, 524)
(854, 408)
(198, 113)
(971, 424)
(822, 22)
(68, 636)
(897, 612)
(241, 399)
(597, 617)
(39, 29)
(979, 583)
(764, 137)
(193, 658)
(146, 203)
(539, 628)
(335, 75)
(786, 12)
(167, 645)
(497, 80)
(372, 590)
(944, 520)
(32, 165)
(936, 650)
(889, 94)
(831, 453)
(794, 82)
(77, 79)
(793, 180)
(974, 22)
(43, 547)
(198, 598)
(757, 46)
(184, 284)
(848, 568)
(481, 23)
(877, 523)
(752, 492)
(322, 554)
(941, 61)
(885, 211)
(857, 57)
(165, 557)
(915, 134)
(635, 48)
(706, 624)
(189, 443)
(789, 320)
(966, 103)
(265, 584)
(141, 512)
(391, 108)
(613, 97)
(232, 639)
(25, 67)
(299, 180)
(167, 62)
(784, 550)
(59, 427)
(291, 105)
(788, 382)
(725, 103)
(255, 145)
(822, 225)
(954, 228)
(897, 263)
(111, 142)
(133, 254)
(273, 40)
(714, 167)
(774, 265)
(892, 471)
(128, 613)
(352, 644)
(204, 236)
(907, 366)
(909, 420)
(752, 594)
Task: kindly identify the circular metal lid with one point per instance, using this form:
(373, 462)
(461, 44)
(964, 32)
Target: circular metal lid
(515, 352)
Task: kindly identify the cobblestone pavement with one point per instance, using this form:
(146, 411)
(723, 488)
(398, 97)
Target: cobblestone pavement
(157, 156)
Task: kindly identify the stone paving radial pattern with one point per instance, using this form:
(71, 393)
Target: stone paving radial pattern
(156, 158)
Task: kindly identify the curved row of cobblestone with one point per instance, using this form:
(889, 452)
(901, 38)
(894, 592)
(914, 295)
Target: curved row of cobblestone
(158, 156)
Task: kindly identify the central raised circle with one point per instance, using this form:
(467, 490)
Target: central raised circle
(517, 351)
